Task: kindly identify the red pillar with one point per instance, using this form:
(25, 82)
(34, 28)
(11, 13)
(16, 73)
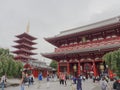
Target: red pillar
(68, 68)
(79, 70)
(94, 69)
(58, 69)
(110, 73)
(35, 75)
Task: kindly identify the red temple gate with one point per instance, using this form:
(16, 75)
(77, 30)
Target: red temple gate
(80, 50)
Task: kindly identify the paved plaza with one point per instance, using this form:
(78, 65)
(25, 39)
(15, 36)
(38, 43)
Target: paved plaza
(54, 85)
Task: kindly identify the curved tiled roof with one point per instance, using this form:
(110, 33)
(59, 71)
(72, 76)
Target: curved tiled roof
(91, 28)
(84, 50)
(26, 35)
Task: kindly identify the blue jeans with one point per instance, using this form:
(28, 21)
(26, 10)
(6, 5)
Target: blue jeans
(79, 87)
(22, 87)
(2, 85)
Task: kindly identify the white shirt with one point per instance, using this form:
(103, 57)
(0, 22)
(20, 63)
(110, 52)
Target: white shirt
(103, 84)
(3, 78)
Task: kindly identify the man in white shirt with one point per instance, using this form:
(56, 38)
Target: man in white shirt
(103, 84)
(3, 80)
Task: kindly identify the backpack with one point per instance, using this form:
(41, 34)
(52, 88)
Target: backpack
(25, 80)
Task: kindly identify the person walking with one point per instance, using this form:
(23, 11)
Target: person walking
(22, 82)
(26, 79)
(65, 79)
(115, 83)
(3, 80)
(74, 79)
(103, 84)
(31, 79)
(48, 79)
(79, 83)
(60, 78)
(39, 79)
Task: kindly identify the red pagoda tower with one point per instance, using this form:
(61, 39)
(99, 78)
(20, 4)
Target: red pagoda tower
(24, 47)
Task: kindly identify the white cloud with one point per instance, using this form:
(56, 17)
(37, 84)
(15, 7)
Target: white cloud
(49, 17)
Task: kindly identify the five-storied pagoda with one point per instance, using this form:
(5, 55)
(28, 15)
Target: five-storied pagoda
(80, 50)
(24, 46)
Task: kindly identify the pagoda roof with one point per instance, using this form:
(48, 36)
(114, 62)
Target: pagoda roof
(99, 49)
(24, 57)
(21, 51)
(26, 35)
(95, 27)
(23, 39)
(25, 46)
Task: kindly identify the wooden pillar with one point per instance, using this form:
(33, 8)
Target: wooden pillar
(35, 72)
(79, 70)
(58, 69)
(68, 67)
(94, 69)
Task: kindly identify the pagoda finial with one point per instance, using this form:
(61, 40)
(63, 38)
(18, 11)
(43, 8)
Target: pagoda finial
(28, 27)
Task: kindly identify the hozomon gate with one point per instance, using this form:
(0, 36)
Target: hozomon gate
(80, 50)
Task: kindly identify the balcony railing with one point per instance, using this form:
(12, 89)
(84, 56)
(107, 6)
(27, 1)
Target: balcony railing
(101, 42)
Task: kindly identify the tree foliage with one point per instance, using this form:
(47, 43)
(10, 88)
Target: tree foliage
(8, 65)
(112, 59)
(53, 64)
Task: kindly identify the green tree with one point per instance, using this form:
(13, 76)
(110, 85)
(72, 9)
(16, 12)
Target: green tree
(8, 65)
(112, 59)
(53, 64)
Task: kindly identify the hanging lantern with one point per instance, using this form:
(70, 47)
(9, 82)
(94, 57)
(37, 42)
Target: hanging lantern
(101, 67)
(75, 68)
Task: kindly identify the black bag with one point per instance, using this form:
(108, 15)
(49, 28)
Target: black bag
(118, 86)
(25, 80)
(32, 79)
(115, 85)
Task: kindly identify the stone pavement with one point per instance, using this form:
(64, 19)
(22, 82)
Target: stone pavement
(54, 85)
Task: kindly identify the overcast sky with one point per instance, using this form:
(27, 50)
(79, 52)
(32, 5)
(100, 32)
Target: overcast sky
(49, 17)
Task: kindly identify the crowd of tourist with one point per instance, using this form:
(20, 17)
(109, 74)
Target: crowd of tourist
(104, 81)
(76, 81)
(28, 79)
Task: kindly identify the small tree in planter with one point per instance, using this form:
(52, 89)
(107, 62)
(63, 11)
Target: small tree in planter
(112, 59)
